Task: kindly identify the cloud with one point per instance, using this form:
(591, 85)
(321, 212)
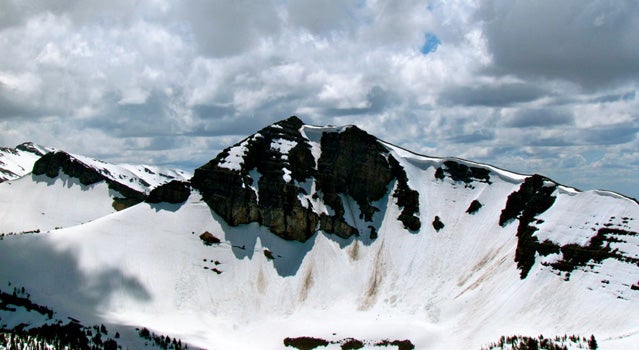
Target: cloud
(223, 28)
(526, 118)
(474, 137)
(174, 82)
(593, 44)
(321, 17)
(491, 95)
(611, 135)
(377, 100)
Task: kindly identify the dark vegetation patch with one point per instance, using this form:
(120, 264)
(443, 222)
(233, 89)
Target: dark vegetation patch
(565, 342)
(462, 173)
(474, 206)
(208, 238)
(54, 333)
(20, 298)
(533, 197)
(351, 344)
(308, 343)
(26, 232)
(161, 341)
(438, 224)
(60, 336)
(401, 344)
(174, 192)
(305, 343)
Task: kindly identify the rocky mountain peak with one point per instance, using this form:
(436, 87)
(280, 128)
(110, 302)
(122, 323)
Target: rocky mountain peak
(295, 184)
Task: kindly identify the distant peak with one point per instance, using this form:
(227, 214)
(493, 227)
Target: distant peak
(292, 122)
(33, 148)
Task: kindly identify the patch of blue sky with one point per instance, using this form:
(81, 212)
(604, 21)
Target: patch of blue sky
(431, 43)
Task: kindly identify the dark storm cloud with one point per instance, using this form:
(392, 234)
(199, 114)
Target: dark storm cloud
(593, 43)
(491, 95)
(526, 118)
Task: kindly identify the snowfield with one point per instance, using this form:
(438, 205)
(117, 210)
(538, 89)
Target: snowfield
(456, 288)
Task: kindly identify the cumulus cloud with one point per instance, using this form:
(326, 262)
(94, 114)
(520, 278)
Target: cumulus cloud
(491, 95)
(591, 43)
(513, 83)
(526, 118)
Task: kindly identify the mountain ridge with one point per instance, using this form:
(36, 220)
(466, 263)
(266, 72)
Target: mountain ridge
(496, 253)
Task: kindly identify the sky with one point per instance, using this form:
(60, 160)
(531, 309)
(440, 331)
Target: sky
(543, 86)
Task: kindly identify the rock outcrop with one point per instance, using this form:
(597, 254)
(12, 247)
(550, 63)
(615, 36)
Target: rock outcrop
(52, 163)
(273, 178)
(174, 192)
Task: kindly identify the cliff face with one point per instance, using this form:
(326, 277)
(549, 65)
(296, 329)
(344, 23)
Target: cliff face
(274, 178)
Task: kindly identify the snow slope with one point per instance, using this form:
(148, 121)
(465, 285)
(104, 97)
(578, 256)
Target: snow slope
(454, 288)
(18, 161)
(41, 203)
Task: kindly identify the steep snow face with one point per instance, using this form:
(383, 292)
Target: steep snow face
(496, 253)
(38, 203)
(49, 200)
(18, 161)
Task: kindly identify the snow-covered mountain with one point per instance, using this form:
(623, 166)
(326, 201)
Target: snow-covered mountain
(62, 189)
(331, 234)
(18, 161)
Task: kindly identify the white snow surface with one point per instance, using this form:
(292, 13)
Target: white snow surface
(16, 162)
(39, 203)
(458, 288)
(235, 158)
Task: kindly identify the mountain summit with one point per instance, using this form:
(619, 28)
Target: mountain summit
(325, 235)
(296, 180)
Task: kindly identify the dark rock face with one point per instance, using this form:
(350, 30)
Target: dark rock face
(474, 206)
(52, 163)
(533, 198)
(462, 172)
(230, 191)
(407, 198)
(353, 163)
(171, 192)
(597, 250)
(267, 178)
(438, 224)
